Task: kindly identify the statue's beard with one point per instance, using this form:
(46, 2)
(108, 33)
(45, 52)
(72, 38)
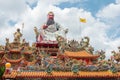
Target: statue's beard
(50, 22)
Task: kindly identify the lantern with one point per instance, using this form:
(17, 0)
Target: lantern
(7, 65)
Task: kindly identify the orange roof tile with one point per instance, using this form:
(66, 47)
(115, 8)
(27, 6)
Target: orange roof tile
(80, 54)
(104, 74)
(12, 75)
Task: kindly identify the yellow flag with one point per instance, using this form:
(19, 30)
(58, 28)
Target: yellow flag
(83, 20)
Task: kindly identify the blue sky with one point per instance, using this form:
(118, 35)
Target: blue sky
(90, 5)
(11, 22)
(32, 5)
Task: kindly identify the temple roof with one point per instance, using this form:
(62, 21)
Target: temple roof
(15, 50)
(80, 54)
(28, 52)
(104, 74)
(12, 75)
(14, 61)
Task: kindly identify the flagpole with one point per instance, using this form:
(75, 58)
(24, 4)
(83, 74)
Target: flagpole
(82, 20)
(22, 29)
(80, 30)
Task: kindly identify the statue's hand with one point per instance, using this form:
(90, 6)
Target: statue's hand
(44, 32)
(45, 26)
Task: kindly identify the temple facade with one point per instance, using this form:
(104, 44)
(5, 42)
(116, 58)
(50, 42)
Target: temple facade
(57, 57)
(69, 59)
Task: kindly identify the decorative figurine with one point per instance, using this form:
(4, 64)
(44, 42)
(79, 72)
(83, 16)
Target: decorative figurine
(36, 32)
(2, 48)
(7, 46)
(49, 67)
(55, 55)
(116, 56)
(23, 42)
(8, 68)
(75, 67)
(17, 35)
(113, 69)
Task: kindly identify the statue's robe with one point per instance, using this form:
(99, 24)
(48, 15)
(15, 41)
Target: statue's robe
(51, 32)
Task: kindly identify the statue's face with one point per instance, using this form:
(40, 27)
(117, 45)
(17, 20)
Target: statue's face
(50, 20)
(50, 16)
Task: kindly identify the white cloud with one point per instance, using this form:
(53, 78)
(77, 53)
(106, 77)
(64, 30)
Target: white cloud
(68, 18)
(111, 11)
(117, 1)
(110, 15)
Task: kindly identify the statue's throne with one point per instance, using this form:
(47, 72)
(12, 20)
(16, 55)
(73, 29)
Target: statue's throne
(47, 40)
(50, 47)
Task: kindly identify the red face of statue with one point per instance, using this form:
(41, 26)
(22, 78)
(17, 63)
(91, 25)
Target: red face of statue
(50, 16)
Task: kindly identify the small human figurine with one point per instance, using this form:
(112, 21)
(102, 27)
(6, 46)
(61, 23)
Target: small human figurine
(7, 46)
(113, 69)
(33, 47)
(36, 32)
(49, 67)
(1, 48)
(26, 48)
(23, 42)
(61, 43)
(8, 68)
(75, 67)
(119, 48)
(38, 60)
(17, 35)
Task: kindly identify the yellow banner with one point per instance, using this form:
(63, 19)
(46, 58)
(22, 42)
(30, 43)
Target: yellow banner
(83, 20)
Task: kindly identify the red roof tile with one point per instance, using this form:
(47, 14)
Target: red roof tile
(104, 74)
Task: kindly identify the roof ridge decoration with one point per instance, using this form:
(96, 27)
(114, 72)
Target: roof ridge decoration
(74, 46)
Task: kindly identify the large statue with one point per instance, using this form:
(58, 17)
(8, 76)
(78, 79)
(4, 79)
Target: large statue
(50, 30)
(17, 35)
